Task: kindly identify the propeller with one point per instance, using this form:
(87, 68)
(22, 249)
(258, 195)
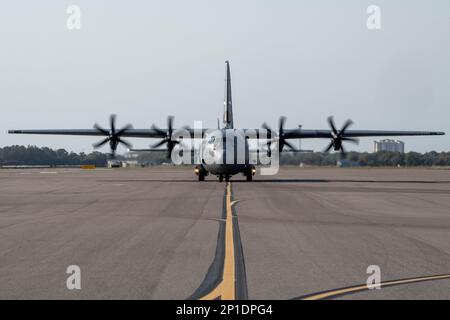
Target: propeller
(171, 143)
(337, 137)
(113, 136)
(281, 136)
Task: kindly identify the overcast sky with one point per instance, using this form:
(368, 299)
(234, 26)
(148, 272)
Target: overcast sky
(144, 60)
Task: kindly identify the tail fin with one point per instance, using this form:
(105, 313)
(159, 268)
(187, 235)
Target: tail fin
(228, 112)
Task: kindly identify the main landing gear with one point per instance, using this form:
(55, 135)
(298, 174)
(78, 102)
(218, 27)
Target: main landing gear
(201, 173)
(249, 173)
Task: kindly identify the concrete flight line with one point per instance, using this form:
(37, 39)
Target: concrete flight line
(226, 279)
(349, 290)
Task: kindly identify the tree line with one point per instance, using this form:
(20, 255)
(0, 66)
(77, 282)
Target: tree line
(377, 159)
(32, 155)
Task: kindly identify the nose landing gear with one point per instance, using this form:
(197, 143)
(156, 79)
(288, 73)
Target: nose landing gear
(227, 177)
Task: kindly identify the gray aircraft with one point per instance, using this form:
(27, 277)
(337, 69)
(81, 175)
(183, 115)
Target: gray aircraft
(216, 147)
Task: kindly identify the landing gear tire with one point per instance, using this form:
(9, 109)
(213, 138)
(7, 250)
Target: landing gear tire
(200, 172)
(227, 178)
(221, 178)
(249, 173)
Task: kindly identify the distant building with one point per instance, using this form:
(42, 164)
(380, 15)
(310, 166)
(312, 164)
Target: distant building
(389, 145)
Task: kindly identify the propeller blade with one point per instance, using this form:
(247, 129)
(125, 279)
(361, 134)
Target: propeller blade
(160, 143)
(169, 127)
(347, 124)
(338, 137)
(331, 124)
(289, 145)
(125, 142)
(328, 148)
(112, 122)
(353, 140)
(100, 143)
(112, 136)
(104, 131)
(281, 123)
(124, 129)
(171, 143)
(158, 130)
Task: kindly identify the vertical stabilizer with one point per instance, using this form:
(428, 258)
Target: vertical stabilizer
(228, 112)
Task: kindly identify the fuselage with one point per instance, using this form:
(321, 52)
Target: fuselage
(225, 152)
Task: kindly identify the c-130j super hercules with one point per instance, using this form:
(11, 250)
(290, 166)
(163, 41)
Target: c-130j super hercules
(215, 152)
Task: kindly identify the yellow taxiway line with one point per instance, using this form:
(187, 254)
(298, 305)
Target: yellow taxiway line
(342, 291)
(226, 289)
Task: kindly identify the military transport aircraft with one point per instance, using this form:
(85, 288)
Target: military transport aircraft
(212, 140)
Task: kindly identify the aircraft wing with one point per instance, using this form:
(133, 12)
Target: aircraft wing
(312, 133)
(288, 133)
(131, 133)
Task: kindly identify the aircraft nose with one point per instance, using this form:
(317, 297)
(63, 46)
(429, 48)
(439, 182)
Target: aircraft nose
(217, 155)
(214, 154)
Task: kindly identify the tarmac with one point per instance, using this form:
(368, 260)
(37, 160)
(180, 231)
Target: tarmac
(158, 233)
